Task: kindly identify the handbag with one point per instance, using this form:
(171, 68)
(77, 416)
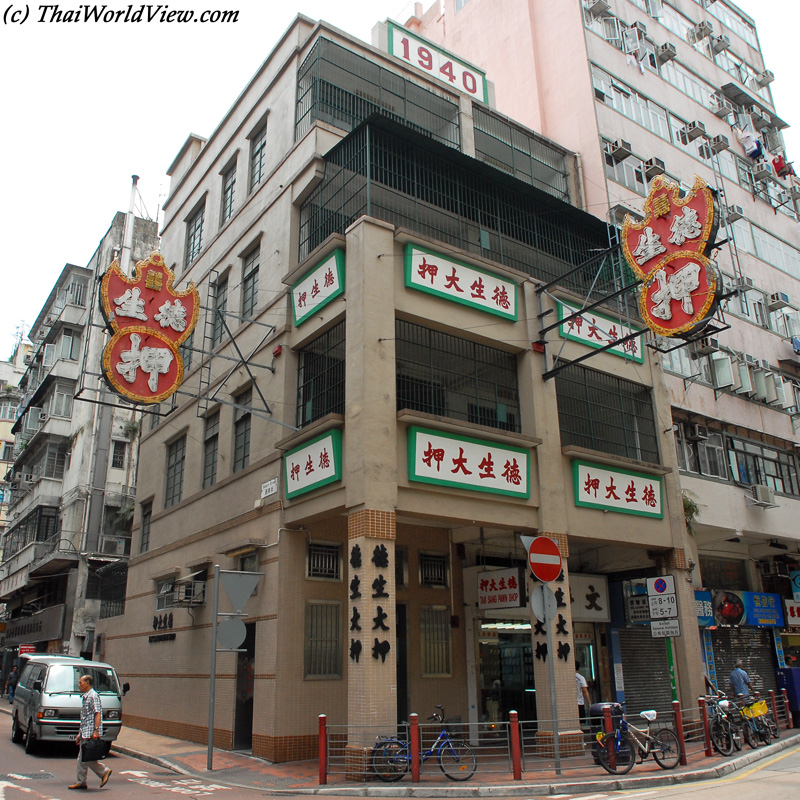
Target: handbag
(93, 750)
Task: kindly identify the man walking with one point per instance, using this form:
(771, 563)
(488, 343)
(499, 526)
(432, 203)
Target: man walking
(11, 683)
(91, 728)
(740, 680)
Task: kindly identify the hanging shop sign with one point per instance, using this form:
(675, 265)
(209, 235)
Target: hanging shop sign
(620, 490)
(792, 613)
(704, 608)
(589, 598)
(148, 321)
(669, 251)
(752, 609)
(318, 287)
(597, 330)
(465, 463)
(42, 626)
(437, 63)
(501, 588)
(315, 463)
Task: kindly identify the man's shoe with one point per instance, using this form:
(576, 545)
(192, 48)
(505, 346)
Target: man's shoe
(105, 778)
(78, 786)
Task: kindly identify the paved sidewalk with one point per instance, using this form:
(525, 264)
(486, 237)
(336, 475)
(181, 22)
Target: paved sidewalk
(302, 777)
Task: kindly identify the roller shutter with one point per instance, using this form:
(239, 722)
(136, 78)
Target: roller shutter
(645, 671)
(756, 649)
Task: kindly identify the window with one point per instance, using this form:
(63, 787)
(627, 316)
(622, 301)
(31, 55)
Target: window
(228, 189)
(210, 450)
(753, 463)
(258, 156)
(220, 307)
(176, 456)
(705, 457)
(144, 541)
(321, 376)
(249, 562)
(629, 171)
(241, 430)
(433, 570)
(76, 291)
(434, 629)
(118, 455)
(322, 646)
(8, 409)
(70, 345)
(400, 566)
(606, 413)
(324, 561)
(165, 592)
(194, 235)
(61, 402)
(186, 352)
(8, 451)
(250, 283)
(448, 376)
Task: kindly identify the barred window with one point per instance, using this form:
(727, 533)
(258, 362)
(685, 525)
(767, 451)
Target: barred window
(228, 189)
(258, 154)
(433, 570)
(210, 450)
(144, 540)
(220, 307)
(447, 376)
(434, 629)
(194, 235)
(250, 283)
(606, 413)
(176, 457)
(324, 561)
(753, 463)
(322, 654)
(241, 430)
(118, 455)
(186, 349)
(321, 376)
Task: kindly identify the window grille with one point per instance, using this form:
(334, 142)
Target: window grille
(321, 376)
(241, 430)
(434, 628)
(144, 540)
(250, 283)
(186, 352)
(118, 455)
(113, 584)
(753, 463)
(194, 235)
(210, 450)
(606, 413)
(220, 307)
(447, 376)
(433, 570)
(323, 646)
(324, 561)
(258, 155)
(228, 190)
(176, 456)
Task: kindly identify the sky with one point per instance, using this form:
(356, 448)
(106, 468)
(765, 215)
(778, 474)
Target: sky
(86, 105)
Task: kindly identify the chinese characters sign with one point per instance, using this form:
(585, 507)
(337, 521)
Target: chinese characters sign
(668, 251)
(500, 588)
(313, 464)
(452, 280)
(792, 613)
(595, 330)
(318, 287)
(589, 597)
(465, 463)
(148, 320)
(762, 609)
(437, 63)
(618, 490)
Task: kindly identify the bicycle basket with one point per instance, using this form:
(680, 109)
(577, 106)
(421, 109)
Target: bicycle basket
(756, 710)
(455, 730)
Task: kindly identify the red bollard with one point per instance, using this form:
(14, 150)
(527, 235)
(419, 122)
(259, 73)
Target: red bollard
(608, 725)
(706, 733)
(789, 721)
(414, 725)
(516, 760)
(676, 713)
(323, 750)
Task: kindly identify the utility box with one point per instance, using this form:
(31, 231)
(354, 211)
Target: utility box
(789, 679)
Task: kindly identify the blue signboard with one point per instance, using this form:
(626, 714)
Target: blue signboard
(704, 608)
(734, 609)
(794, 577)
(762, 610)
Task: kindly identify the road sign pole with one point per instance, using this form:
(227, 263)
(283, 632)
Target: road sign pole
(213, 672)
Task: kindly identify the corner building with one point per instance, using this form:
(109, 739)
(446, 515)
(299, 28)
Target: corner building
(364, 420)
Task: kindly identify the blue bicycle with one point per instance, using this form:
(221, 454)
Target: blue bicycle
(391, 758)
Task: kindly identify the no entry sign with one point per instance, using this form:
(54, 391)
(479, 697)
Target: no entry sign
(545, 559)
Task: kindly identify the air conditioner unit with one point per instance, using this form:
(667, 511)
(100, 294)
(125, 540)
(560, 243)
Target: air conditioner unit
(765, 77)
(734, 213)
(758, 115)
(744, 385)
(189, 594)
(705, 346)
(751, 360)
(745, 283)
(619, 211)
(697, 433)
(784, 198)
(701, 30)
(597, 8)
(725, 374)
(720, 105)
(641, 27)
(764, 364)
(719, 143)
(666, 52)
(794, 192)
(653, 166)
(620, 150)
(763, 172)
(720, 43)
(778, 300)
(763, 495)
(693, 130)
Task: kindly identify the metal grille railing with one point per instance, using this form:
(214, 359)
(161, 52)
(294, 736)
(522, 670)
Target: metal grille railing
(321, 376)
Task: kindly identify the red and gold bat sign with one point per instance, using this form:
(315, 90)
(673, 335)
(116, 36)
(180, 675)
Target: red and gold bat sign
(148, 320)
(669, 252)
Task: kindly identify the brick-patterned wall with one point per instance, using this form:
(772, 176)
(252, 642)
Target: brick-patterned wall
(285, 748)
(369, 522)
(676, 559)
(179, 730)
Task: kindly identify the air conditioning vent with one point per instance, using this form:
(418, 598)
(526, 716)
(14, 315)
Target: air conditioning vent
(620, 150)
(763, 495)
(778, 300)
(666, 52)
(652, 167)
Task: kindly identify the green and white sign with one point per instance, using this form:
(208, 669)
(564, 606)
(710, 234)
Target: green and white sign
(315, 463)
(461, 283)
(465, 463)
(620, 490)
(596, 330)
(318, 287)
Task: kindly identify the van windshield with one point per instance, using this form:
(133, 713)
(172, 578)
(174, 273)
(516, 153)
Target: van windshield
(65, 677)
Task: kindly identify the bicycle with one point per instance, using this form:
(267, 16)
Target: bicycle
(391, 758)
(725, 734)
(618, 749)
(757, 723)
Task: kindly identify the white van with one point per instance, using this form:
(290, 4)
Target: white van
(47, 702)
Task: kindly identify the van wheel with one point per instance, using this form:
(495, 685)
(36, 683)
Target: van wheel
(30, 739)
(16, 733)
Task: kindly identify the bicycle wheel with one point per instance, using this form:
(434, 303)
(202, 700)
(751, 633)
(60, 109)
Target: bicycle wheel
(390, 760)
(763, 730)
(667, 749)
(616, 752)
(774, 730)
(750, 735)
(721, 736)
(457, 760)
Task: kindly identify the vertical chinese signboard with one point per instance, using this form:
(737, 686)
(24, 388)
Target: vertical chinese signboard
(148, 320)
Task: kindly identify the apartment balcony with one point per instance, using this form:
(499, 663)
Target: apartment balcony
(29, 491)
(14, 572)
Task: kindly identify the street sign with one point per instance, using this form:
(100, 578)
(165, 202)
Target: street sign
(543, 603)
(662, 598)
(544, 558)
(661, 628)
